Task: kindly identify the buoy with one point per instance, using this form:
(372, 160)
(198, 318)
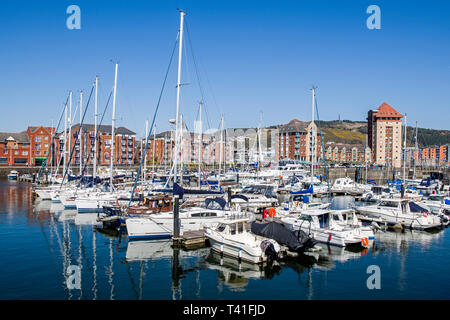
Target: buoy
(272, 212)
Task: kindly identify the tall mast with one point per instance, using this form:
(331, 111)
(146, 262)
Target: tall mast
(180, 51)
(69, 147)
(415, 150)
(259, 140)
(181, 147)
(200, 142)
(404, 156)
(113, 123)
(154, 148)
(81, 132)
(65, 140)
(313, 138)
(145, 155)
(95, 129)
(221, 145)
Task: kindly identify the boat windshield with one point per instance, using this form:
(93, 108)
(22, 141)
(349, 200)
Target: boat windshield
(389, 204)
(305, 217)
(221, 227)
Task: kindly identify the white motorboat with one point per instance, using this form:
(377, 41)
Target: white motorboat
(437, 203)
(400, 211)
(13, 175)
(348, 186)
(257, 196)
(232, 238)
(160, 225)
(321, 225)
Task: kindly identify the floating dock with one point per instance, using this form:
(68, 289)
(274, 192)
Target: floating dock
(190, 239)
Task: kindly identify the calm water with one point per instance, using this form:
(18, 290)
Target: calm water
(38, 242)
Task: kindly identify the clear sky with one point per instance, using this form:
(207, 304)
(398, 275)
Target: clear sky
(251, 56)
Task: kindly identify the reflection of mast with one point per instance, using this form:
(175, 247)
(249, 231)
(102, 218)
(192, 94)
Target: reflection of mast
(176, 274)
(110, 275)
(94, 257)
(80, 239)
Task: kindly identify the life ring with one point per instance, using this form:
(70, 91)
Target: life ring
(272, 212)
(365, 242)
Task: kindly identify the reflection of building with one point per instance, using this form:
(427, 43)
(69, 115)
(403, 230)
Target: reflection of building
(14, 148)
(124, 145)
(384, 131)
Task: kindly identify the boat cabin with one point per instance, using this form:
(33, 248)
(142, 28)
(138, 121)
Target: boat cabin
(153, 205)
(233, 227)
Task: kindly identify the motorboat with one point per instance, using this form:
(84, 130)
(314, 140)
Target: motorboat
(257, 196)
(160, 225)
(323, 228)
(437, 203)
(13, 175)
(400, 211)
(232, 238)
(348, 186)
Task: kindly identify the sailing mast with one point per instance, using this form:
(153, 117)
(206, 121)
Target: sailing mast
(415, 151)
(180, 51)
(94, 170)
(154, 156)
(81, 133)
(404, 156)
(70, 124)
(113, 123)
(65, 140)
(221, 145)
(313, 140)
(200, 142)
(145, 155)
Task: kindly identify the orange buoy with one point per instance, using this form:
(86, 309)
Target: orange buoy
(365, 241)
(272, 212)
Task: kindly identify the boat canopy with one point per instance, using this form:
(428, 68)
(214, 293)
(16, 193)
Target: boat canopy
(180, 191)
(295, 241)
(239, 196)
(309, 190)
(220, 201)
(413, 207)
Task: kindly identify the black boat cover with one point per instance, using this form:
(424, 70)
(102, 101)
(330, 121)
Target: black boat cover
(180, 191)
(295, 241)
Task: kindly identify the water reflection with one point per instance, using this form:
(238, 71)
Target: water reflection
(114, 268)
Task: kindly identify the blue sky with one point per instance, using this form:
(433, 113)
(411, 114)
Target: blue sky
(251, 56)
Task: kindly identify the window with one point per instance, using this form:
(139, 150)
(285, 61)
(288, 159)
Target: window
(233, 228)
(46, 138)
(24, 153)
(37, 139)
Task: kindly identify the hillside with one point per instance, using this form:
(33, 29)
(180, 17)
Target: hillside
(354, 132)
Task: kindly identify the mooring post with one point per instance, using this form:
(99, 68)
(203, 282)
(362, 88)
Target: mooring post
(176, 218)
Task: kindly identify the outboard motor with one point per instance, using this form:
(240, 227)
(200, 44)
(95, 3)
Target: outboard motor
(283, 196)
(271, 249)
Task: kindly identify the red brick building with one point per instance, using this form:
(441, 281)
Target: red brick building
(14, 149)
(295, 141)
(124, 145)
(41, 144)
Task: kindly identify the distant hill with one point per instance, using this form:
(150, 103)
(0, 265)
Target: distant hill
(354, 132)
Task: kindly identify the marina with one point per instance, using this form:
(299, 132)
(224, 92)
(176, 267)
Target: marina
(131, 194)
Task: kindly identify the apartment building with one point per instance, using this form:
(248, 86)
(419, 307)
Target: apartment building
(385, 135)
